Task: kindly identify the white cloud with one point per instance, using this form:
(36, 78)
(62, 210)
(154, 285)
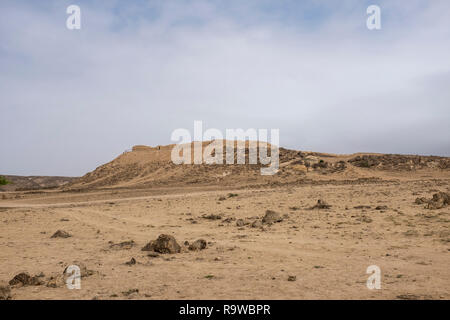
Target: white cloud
(74, 99)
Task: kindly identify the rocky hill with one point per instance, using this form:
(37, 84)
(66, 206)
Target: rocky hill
(22, 183)
(152, 167)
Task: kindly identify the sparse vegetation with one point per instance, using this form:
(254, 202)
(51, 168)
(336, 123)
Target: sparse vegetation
(3, 181)
(254, 236)
(364, 164)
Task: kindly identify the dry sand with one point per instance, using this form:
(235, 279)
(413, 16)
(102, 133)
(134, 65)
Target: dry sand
(325, 251)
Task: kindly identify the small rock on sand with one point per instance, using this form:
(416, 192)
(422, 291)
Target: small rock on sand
(197, 245)
(212, 216)
(242, 222)
(24, 279)
(164, 244)
(5, 291)
(84, 271)
(272, 217)
(61, 234)
(256, 224)
(362, 207)
(439, 201)
(123, 245)
(421, 200)
(59, 279)
(56, 281)
(321, 204)
(130, 292)
(153, 255)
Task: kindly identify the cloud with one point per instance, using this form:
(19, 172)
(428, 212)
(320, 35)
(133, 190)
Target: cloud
(72, 100)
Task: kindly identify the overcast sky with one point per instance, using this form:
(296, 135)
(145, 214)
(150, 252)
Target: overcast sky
(71, 100)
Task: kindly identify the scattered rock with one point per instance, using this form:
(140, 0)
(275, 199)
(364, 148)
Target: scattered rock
(242, 222)
(365, 219)
(129, 292)
(229, 220)
(321, 204)
(411, 233)
(123, 245)
(439, 201)
(5, 291)
(292, 278)
(153, 255)
(212, 216)
(164, 244)
(311, 160)
(362, 207)
(56, 281)
(421, 200)
(197, 245)
(84, 271)
(131, 262)
(399, 162)
(257, 224)
(61, 234)
(24, 279)
(381, 208)
(272, 217)
(411, 296)
(408, 296)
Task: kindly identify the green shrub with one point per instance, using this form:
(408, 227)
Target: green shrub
(364, 164)
(3, 181)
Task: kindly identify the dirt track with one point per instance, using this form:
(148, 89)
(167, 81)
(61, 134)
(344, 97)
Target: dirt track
(327, 250)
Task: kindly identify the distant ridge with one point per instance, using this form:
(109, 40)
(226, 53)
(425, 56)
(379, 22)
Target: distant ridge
(146, 166)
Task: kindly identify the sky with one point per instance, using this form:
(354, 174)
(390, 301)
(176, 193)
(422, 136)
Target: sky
(71, 100)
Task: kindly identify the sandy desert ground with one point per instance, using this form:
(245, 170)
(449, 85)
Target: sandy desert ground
(298, 252)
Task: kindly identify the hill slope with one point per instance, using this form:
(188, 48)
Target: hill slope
(20, 183)
(152, 167)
